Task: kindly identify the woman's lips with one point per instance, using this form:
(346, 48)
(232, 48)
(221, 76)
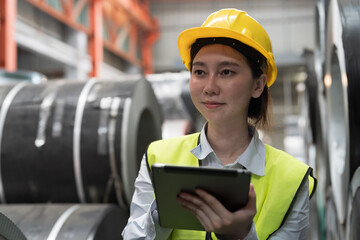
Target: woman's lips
(213, 105)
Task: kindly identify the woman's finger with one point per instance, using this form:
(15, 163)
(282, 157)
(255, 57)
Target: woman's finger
(200, 209)
(198, 203)
(191, 198)
(204, 219)
(188, 205)
(187, 202)
(213, 203)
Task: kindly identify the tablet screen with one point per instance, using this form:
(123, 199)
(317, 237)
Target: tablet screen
(229, 186)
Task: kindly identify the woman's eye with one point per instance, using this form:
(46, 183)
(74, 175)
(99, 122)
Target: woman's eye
(226, 72)
(198, 72)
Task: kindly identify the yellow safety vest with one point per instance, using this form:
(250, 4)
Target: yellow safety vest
(276, 191)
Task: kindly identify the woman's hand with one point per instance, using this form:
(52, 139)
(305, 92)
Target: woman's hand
(216, 218)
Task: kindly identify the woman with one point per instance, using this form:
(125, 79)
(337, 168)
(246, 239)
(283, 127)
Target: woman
(231, 64)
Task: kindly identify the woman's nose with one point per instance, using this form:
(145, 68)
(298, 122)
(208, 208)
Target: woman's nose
(211, 87)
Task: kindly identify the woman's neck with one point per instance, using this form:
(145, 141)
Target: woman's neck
(228, 141)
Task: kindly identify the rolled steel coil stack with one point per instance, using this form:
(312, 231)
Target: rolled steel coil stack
(62, 221)
(69, 155)
(335, 117)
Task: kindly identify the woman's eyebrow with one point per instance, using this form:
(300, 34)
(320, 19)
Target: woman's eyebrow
(223, 63)
(228, 63)
(198, 64)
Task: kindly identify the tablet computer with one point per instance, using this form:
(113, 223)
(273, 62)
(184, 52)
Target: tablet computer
(229, 186)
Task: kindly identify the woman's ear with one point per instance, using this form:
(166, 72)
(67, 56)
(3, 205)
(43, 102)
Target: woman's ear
(259, 85)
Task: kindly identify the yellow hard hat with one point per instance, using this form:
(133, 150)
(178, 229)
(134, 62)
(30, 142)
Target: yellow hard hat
(235, 24)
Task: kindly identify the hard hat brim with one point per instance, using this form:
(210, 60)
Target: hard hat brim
(189, 36)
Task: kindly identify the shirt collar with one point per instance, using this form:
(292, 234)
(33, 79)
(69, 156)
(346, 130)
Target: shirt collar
(253, 158)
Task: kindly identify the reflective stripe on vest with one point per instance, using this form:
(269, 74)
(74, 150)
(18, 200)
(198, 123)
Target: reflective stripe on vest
(275, 191)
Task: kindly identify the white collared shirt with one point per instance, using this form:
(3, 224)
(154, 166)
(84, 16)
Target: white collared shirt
(253, 158)
(144, 223)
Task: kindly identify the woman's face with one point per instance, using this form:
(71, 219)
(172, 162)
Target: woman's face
(221, 84)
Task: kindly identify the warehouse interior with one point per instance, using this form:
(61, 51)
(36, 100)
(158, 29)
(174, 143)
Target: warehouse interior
(86, 85)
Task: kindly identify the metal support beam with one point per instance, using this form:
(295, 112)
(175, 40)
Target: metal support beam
(133, 41)
(67, 14)
(95, 39)
(124, 21)
(147, 51)
(8, 53)
(139, 14)
(141, 21)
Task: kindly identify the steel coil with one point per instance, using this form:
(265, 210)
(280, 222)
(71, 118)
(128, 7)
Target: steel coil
(318, 154)
(321, 13)
(69, 141)
(350, 16)
(67, 221)
(9, 230)
(315, 143)
(342, 86)
(321, 170)
(319, 103)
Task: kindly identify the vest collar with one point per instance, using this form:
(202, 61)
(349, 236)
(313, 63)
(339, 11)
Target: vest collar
(253, 158)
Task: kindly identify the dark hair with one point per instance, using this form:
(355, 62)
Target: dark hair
(259, 111)
(259, 114)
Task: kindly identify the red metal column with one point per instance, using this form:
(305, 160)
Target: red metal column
(8, 51)
(133, 41)
(147, 55)
(96, 49)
